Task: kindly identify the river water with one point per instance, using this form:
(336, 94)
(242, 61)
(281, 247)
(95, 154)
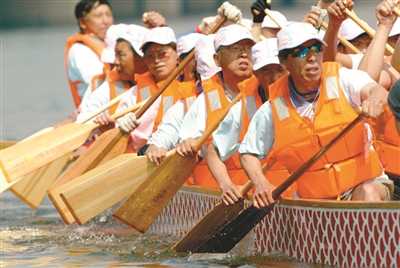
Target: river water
(35, 95)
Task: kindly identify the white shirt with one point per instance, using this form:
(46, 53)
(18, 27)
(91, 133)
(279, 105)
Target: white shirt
(83, 64)
(260, 135)
(142, 133)
(167, 134)
(94, 100)
(226, 137)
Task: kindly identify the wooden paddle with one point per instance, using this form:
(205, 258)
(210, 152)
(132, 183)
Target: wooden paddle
(5, 144)
(110, 144)
(98, 202)
(31, 189)
(231, 234)
(214, 220)
(27, 156)
(4, 184)
(343, 41)
(141, 209)
(110, 183)
(366, 28)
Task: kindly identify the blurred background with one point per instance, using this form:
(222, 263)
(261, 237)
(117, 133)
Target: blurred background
(16, 13)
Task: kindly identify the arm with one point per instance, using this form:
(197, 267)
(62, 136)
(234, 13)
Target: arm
(396, 56)
(337, 14)
(256, 145)
(376, 50)
(230, 192)
(262, 197)
(375, 99)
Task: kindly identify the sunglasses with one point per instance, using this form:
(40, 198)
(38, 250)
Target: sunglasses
(163, 54)
(301, 52)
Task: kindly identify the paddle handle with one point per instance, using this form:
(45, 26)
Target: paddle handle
(342, 40)
(174, 74)
(103, 108)
(292, 178)
(249, 184)
(397, 11)
(367, 29)
(128, 110)
(269, 14)
(214, 125)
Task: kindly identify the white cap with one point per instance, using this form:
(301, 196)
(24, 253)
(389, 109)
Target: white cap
(264, 53)
(395, 29)
(108, 53)
(269, 23)
(350, 30)
(246, 22)
(186, 43)
(159, 35)
(295, 34)
(203, 52)
(231, 34)
(135, 35)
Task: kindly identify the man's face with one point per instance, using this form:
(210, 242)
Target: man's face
(236, 59)
(161, 60)
(361, 43)
(124, 61)
(392, 40)
(97, 21)
(269, 74)
(305, 66)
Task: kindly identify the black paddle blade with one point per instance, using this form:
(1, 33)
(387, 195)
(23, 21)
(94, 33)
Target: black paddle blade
(233, 233)
(214, 221)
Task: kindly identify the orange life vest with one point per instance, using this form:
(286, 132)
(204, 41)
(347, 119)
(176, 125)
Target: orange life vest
(387, 142)
(95, 45)
(117, 87)
(216, 101)
(251, 102)
(297, 139)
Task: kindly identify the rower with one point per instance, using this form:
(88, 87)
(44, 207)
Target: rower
(83, 50)
(232, 46)
(221, 155)
(305, 110)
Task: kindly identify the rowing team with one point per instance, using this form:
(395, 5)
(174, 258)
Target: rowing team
(295, 89)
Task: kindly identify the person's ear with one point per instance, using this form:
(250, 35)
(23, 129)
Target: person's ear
(82, 23)
(217, 59)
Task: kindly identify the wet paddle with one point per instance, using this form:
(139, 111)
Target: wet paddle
(213, 221)
(231, 234)
(141, 209)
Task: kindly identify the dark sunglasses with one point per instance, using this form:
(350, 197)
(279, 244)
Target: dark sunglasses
(301, 52)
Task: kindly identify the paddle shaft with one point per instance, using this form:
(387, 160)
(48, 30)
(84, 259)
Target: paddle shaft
(103, 108)
(342, 40)
(229, 236)
(367, 29)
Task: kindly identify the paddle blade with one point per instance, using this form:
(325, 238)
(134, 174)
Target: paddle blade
(105, 186)
(211, 223)
(27, 156)
(31, 189)
(94, 155)
(235, 231)
(141, 209)
(109, 145)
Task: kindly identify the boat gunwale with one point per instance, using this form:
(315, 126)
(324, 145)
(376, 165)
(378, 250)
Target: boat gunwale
(302, 202)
